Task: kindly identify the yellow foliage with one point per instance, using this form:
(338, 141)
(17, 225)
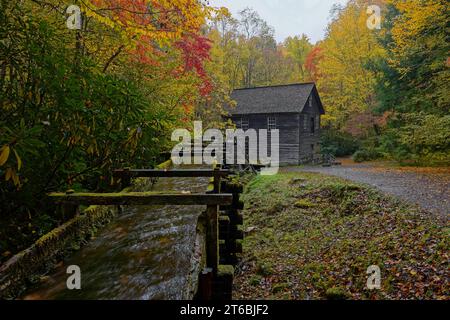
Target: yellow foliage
(183, 16)
(346, 85)
(19, 161)
(8, 174)
(416, 15)
(4, 154)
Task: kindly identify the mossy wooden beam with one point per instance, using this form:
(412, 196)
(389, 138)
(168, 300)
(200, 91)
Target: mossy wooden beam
(189, 173)
(224, 283)
(165, 165)
(231, 187)
(141, 198)
(15, 274)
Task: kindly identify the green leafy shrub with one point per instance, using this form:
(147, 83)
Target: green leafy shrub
(64, 122)
(365, 155)
(418, 137)
(338, 143)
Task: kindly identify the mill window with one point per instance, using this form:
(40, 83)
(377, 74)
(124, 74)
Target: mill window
(245, 124)
(271, 123)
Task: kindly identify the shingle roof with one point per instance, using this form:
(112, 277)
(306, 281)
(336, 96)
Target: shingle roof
(274, 99)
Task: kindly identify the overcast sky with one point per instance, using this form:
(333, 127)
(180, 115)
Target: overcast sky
(288, 17)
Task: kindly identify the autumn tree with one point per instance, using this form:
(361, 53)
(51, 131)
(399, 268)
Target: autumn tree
(250, 54)
(312, 63)
(76, 104)
(415, 73)
(412, 80)
(298, 49)
(346, 84)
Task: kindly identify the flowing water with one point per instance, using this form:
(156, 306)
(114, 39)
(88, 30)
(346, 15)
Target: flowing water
(145, 253)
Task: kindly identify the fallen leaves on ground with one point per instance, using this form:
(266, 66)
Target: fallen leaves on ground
(315, 236)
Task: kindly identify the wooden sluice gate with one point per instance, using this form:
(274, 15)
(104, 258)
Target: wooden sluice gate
(218, 225)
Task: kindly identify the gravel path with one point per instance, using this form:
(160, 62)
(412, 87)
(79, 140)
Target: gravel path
(426, 187)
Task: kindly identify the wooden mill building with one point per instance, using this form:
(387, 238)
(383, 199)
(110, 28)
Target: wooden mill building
(295, 110)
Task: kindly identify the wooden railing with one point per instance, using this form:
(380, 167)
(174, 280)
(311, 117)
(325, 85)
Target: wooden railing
(188, 173)
(142, 198)
(125, 175)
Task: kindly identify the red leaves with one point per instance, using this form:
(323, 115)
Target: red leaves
(150, 23)
(195, 50)
(312, 60)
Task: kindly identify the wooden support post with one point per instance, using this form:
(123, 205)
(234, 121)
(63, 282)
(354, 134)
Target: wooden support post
(212, 238)
(69, 210)
(232, 245)
(224, 283)
(126, 178)
(206, 279)
(217, 178)
(224, 227)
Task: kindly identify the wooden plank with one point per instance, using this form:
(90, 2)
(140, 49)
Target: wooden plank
(188, 173)
(142, 198)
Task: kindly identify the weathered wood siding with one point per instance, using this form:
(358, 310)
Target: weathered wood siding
(309, 142)
(287, 124)
(297, 143)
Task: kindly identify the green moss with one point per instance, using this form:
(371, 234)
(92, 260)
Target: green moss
(255, 280)
(210, 187)
(295, 181)
(336, 293)
(165, 165)
(225, 270)
(279, 287)
(41, 256)
(264, 269)
(304, 204)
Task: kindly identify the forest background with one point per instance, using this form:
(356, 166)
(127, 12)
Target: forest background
(76, 104)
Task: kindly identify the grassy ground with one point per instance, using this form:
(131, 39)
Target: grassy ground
(311, 236)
